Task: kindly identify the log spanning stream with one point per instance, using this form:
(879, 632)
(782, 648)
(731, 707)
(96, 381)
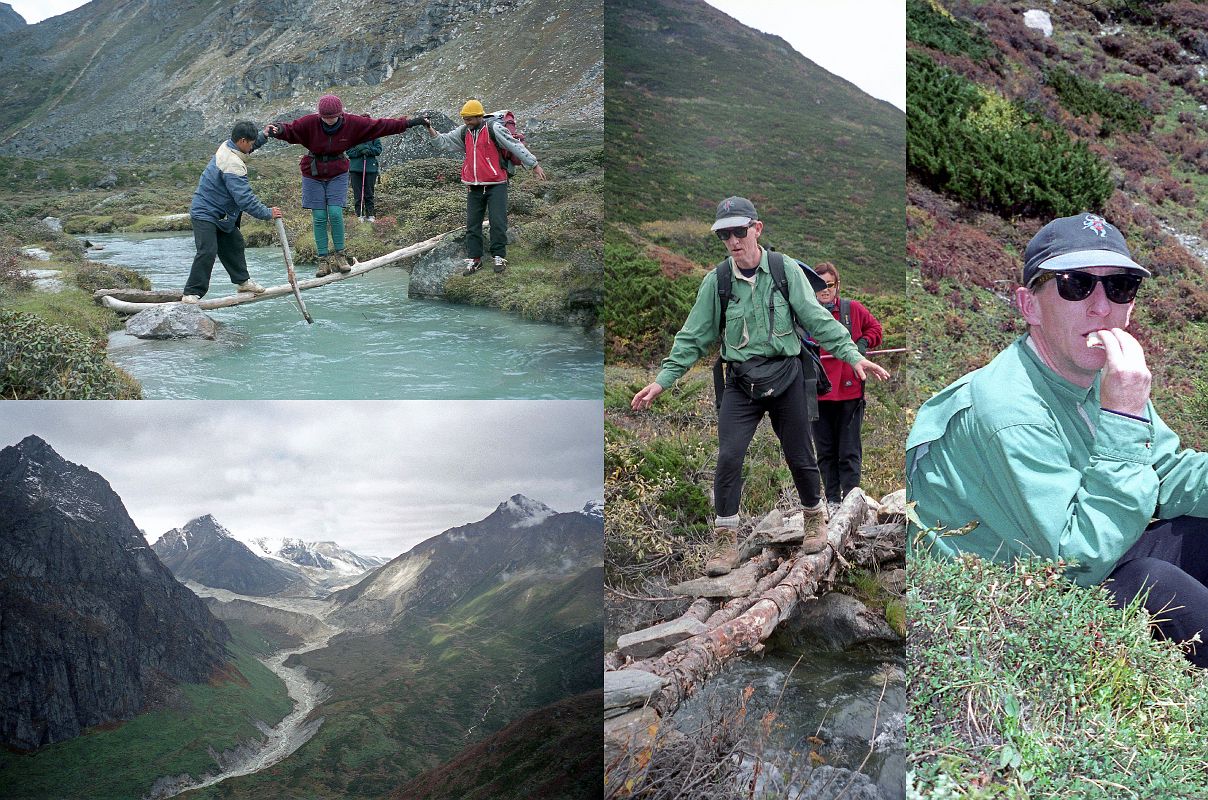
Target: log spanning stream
(370, 340)
(279, 741)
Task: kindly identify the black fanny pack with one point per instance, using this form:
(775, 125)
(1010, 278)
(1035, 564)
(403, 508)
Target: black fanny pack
(763, 378)
(315, 158)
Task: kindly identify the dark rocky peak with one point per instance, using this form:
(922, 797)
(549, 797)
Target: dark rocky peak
(196, 534)
(34, 470)
(10, 20)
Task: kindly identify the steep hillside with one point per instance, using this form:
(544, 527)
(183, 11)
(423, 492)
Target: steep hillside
(205, 552)
(95, 629)
(701, 107)
(10, 20)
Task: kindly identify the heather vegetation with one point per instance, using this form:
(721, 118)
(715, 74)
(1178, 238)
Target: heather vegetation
(1020, 685)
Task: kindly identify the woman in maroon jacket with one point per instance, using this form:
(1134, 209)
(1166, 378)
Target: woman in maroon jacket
(326, 135)
(841, 411)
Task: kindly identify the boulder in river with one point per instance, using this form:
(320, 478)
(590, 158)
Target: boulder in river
(172, 321)
(838, 622)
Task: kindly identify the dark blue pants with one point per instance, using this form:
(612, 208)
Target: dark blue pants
(212, 242)
(363, 185)
(490, 201)
(1170, 560)
(840, 451)
(737, 420)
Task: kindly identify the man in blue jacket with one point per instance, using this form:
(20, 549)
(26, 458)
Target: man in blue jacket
(222, 195)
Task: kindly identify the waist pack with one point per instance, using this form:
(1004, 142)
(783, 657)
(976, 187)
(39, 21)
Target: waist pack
(315, 159)
(764, 378)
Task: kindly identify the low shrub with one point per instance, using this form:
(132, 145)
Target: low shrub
(1087, 98)
(40, 361)
(643, 309)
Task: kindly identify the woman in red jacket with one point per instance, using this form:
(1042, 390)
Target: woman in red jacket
(841, 411)
(326, 135)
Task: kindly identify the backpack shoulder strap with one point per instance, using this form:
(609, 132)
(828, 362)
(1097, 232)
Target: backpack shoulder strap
(724, 292)
(845, 313)
(776, 267)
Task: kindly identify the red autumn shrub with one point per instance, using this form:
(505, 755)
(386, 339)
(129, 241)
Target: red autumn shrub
(965, 253)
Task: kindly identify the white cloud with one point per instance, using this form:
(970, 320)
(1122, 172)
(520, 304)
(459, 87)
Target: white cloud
(37, 10)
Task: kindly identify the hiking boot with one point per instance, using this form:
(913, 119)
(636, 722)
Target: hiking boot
(251, 286)
(191, 299)
(501, 264)
(815, 520)
(372, 218)
(727, 556)
(340, 261)
(471, 265)
(324, 267)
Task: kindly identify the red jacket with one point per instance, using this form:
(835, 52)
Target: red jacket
(482, 159)
(308, 132)
(844, 383)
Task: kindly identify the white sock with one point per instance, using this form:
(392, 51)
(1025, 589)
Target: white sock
(726, 522)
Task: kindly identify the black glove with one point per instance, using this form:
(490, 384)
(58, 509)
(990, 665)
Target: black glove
(862, 345)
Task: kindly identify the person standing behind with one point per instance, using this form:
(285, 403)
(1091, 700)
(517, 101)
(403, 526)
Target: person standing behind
(326, 136)
(761, 348)
(486, 173)
(223, 193)
(841, 410)
(363, 167)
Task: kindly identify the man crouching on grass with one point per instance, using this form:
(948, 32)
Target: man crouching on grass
(222, 195)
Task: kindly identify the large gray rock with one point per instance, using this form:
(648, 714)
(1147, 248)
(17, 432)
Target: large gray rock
(735, 584)
(628, 688)
(838, 622)
(659, 638)
(432, 270)
(174, 321)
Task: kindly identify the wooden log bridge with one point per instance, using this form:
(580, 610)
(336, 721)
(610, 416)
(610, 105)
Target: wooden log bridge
(653, 671)
(120, 299)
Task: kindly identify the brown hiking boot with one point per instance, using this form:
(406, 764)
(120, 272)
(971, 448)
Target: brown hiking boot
(815, 529)
(727, 556)
(339, 261)
(324, 267)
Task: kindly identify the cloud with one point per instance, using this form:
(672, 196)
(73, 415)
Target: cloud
(378, 477)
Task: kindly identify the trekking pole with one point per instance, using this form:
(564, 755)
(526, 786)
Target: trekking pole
(878, 352)
(364, 175)
(289, 270)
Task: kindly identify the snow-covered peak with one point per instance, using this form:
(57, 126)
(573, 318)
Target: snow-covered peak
(526, 511)
(593, 508)
(325, 557)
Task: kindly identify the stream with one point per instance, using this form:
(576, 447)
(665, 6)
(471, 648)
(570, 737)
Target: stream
(369, 340)
(835, 696)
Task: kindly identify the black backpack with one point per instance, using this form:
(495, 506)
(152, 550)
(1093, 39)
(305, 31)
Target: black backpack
(811, 357)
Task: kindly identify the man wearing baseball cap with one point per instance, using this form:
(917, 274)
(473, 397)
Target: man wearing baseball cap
(760, 346)
(1054, 449)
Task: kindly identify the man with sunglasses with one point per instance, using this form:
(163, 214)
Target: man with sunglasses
(1054, 449)
(759, 335)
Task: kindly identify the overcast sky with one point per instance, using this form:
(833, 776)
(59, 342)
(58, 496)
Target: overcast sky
(38, 10)
(863, 42)
(377, 477)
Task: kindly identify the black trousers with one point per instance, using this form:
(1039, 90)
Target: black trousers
(1170, 560)
(736, 423)
(491, 201)
(363, 186)
(212, 242)
(840, 452)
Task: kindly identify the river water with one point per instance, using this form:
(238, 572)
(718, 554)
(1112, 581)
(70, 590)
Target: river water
(834, 696)
(369, 340)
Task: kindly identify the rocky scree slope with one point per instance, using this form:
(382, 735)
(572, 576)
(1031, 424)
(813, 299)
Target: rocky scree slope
(93, 628)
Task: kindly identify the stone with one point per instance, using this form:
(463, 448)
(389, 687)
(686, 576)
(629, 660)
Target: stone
(774, 519)
(632, 731)
(36, 253)
(659, 638)
(893, 506)
(628, 688)
(738, 583)
(1039, 20)
(172, 321)
(894, 580)
(837, 621)
(46, 280)
(54, 223)
(432, 270)
(107, 182)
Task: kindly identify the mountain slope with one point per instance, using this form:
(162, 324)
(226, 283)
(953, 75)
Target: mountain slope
(700, 107)
(93, 627)
(205, 552)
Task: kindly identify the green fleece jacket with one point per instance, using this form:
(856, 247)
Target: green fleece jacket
(1043, 470)
(747, 333)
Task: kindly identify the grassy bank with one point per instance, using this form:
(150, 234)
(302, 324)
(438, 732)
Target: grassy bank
(125, 759)
(1023, 686)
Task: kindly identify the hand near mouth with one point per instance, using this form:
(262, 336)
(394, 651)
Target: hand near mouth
(1126, 377)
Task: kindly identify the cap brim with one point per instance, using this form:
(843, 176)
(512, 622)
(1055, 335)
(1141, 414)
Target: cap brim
(1092, 258)
(731, 222)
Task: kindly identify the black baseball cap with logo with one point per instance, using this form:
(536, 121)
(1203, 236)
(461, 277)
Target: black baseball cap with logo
(734, 212)
(1083, 240)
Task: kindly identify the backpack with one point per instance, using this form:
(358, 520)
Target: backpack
(811, 356)
(507, 159)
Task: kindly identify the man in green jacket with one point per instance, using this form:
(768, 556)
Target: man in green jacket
(1054, 449)
(760, 340)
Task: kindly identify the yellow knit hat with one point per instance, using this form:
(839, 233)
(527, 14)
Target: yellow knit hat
(472, 108)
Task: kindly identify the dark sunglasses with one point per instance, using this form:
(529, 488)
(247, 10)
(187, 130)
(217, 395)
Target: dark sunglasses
(829, 285)
(1120, 288)
(726, 233)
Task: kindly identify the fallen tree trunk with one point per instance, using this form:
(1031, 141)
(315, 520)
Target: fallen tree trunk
(124, 307)
(686, 667)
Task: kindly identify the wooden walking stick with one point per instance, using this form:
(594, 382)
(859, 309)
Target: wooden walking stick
(289, 270)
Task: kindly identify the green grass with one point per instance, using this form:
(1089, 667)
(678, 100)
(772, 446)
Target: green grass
(1022, 686)
(124, 761)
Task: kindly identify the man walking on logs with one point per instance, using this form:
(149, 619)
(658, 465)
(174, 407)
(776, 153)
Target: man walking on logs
(760, 349)
(486, 170)
(223, 193)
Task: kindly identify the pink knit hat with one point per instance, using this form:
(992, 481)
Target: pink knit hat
(330, 106)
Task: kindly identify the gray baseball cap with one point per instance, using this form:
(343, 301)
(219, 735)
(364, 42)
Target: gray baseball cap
(734, 212)
(1083, 240)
